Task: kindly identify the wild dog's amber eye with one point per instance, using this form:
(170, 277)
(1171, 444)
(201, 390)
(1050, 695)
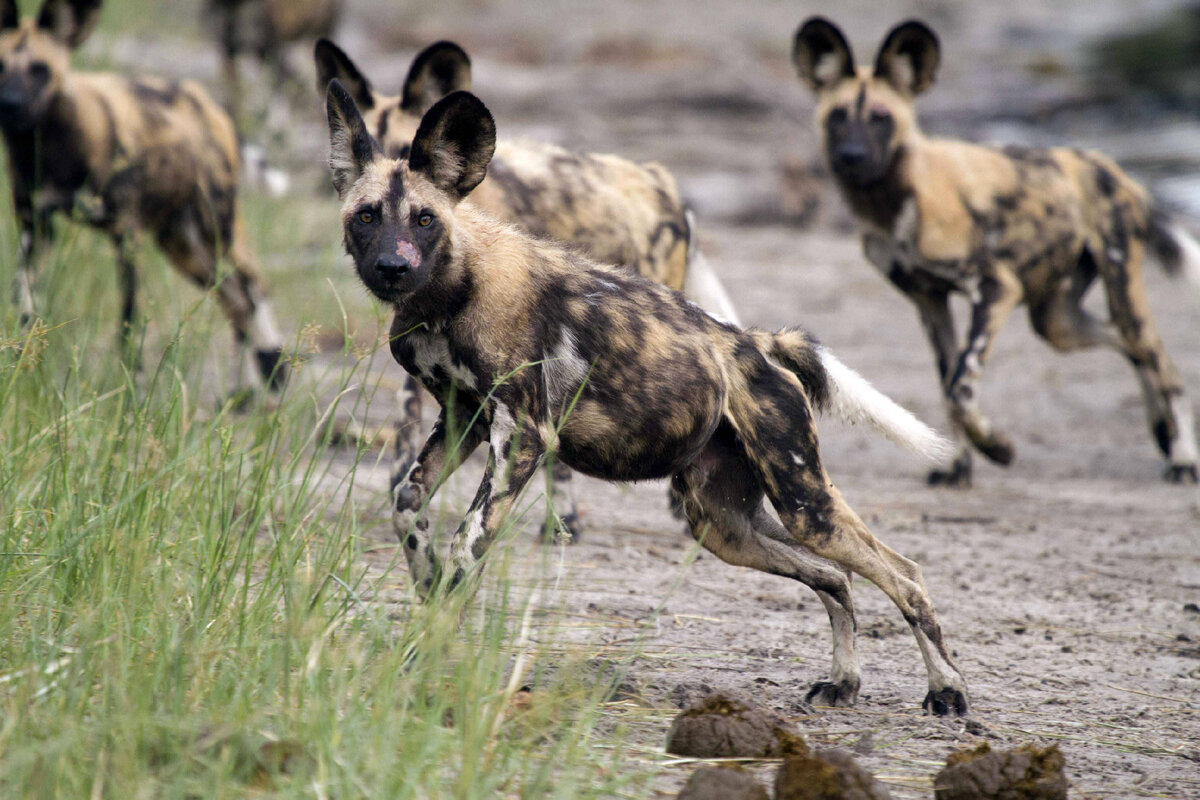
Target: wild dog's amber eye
(425, 220)
(366, 217)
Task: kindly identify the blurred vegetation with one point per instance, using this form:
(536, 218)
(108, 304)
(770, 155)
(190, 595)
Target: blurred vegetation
(1162, 59)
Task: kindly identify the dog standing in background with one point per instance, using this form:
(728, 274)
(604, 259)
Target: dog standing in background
(614, 210)
(126, 156)
(535, 349)
(1003, 226)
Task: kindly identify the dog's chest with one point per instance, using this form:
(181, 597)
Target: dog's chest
(428, 357)
(899, 250)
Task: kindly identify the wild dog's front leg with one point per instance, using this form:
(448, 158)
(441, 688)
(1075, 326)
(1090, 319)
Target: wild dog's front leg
(446, 448)
(408, 405)
(517, 449)
(938, 322)
(933, 308)
(35, 232)
(995, 299)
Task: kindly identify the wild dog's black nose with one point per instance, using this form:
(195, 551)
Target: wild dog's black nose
(11, 100)
(392, 266)
(851, 154)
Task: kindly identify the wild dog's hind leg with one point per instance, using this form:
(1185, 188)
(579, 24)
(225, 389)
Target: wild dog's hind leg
(562, 507)
(239, 294)
(454, 437)
(996, 297)
(1167, 404)
(250, 310)
(127, 276)
(775, 423)
(723, 504)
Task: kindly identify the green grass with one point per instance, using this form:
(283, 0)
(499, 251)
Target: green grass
(187, 604)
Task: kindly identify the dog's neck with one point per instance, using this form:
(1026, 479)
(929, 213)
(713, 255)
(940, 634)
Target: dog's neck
(879, 202)
(42, 154)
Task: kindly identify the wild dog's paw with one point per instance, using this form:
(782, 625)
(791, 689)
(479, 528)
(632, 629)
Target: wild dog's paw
(957, 477)
(998, 448)
(567, 529)
(273, 367)
(946, 702)
(1181, 474)
(834, 695)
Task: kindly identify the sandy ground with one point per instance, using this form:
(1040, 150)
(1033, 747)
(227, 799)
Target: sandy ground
(1067, 584)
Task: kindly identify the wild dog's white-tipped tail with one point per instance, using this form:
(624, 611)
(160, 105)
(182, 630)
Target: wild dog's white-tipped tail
(701, 285)
(854, 400)
(1188, 262)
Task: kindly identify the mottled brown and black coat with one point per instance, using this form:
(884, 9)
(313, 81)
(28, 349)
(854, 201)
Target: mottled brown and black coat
(534, 348)
(128, 156)
(1001, 225)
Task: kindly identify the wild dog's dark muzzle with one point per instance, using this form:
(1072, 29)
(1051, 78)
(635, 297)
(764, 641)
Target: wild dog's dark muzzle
(392, 267)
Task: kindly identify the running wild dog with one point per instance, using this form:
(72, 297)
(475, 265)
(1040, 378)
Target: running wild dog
(533, 348)
(615, 211)
(1002, 226)
(126, 156)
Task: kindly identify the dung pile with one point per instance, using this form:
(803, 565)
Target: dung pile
(826, 775)
(723, 726)
(722, 783)
(1024, 773)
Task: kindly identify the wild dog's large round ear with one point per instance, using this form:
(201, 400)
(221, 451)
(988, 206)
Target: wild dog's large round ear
(351, 147)
(821, 55)
(10, 16)
(438, 70)
(909, 57)
(454, 143)
(333, 63)
(69, 21)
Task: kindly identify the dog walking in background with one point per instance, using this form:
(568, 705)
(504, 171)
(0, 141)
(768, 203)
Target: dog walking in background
(264, 29)
(1003, 226)
(126, 156)
(532, 347)
(615, 211)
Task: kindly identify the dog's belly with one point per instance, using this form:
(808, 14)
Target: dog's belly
(640, 437)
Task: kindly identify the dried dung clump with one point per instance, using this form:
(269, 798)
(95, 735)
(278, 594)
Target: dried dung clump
(1025, 773)
(721, 726)
(826, 775)
(722, 783)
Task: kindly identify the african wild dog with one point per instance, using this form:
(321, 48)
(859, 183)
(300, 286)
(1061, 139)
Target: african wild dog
(263, 28)
(1002, 226)
(533, 348)
(125, 156)
(616, 211)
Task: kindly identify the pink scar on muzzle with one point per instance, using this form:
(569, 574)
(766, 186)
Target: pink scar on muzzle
(409, 251)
